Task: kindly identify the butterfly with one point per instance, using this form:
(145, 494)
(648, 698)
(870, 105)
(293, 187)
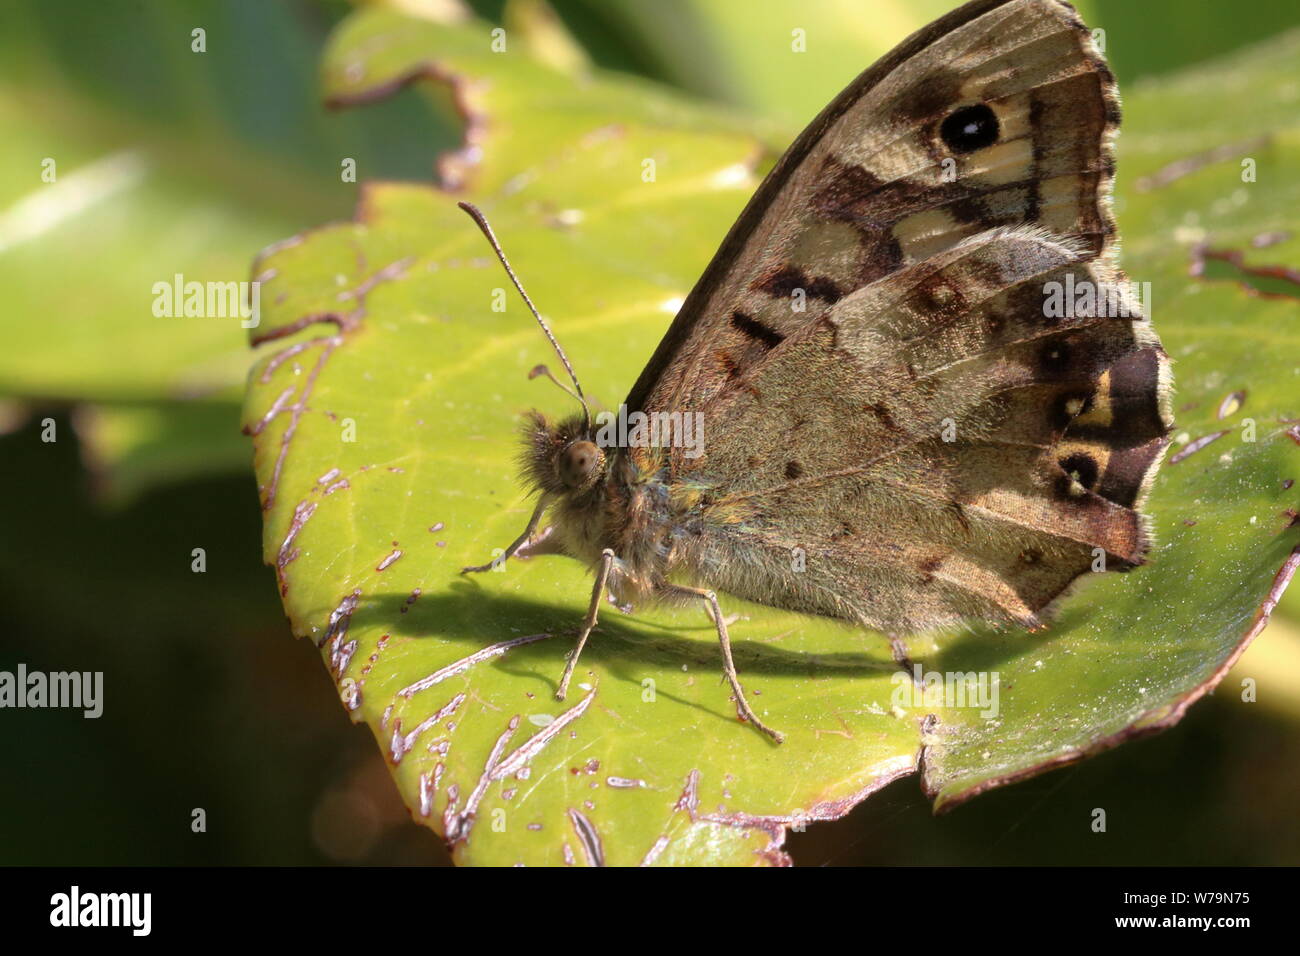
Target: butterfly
(911, 417)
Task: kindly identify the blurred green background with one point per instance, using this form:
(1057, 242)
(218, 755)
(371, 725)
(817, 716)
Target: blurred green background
(170, 161)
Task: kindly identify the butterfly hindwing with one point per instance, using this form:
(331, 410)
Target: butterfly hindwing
(936, 447)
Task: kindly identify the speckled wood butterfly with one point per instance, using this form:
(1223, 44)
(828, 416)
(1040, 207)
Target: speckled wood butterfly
(898, 430)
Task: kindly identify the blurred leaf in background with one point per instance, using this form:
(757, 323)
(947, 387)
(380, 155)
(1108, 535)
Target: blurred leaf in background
(166, 161)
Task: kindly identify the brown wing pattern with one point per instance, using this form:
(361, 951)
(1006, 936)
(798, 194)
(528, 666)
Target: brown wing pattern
(936, 447)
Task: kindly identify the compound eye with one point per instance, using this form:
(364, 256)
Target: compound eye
(578, 461)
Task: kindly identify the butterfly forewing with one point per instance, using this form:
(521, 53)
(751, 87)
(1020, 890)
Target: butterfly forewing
(883, 388)
(871, 185)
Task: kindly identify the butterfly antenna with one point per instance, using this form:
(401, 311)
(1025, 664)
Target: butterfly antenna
(481, 221)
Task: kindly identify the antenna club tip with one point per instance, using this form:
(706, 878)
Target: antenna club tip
(476, 214)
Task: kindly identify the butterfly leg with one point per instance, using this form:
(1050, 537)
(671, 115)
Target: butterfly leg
(597, 596)
(728, 665)
(518, 543)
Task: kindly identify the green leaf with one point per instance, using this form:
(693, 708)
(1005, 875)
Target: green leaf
(384, 408)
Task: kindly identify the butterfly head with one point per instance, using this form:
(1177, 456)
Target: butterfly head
(560, 458)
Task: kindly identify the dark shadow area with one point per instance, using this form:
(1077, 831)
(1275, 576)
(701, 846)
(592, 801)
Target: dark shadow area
(208, 702)
(628, 648)
(1167, 801)
(625, 635)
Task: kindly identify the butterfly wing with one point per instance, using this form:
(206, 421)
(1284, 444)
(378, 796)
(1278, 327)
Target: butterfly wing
(923, 442)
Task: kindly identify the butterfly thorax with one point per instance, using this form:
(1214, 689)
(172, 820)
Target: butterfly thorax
(646, 523)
